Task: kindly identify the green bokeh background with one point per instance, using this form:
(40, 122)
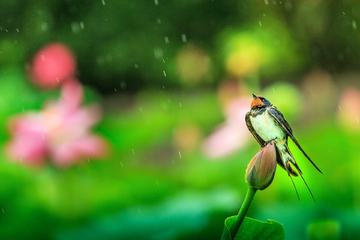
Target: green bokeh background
(299, 54)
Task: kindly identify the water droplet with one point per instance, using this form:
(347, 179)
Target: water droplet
(75, 28)
(82, 26)
(179, 154)
(266, 2)
(260, 24)
(156, 2)
(103, 2)
(164, 73)
(183, 37)
(166, 40)
(122, 85)
(44, 27)
(158, 53)
(353, 23)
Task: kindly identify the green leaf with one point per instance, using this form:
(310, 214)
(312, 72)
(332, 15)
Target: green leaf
(254, 229)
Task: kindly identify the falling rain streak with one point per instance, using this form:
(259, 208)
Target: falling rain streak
(354, 26)
(183, 37)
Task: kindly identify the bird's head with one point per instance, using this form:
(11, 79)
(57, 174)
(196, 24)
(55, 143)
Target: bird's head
(259, 102)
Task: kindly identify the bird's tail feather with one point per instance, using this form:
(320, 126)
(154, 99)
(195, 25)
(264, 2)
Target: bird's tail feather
(284, 160)
(302, 150)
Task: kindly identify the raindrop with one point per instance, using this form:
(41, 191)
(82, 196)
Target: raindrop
(75, 27)
(179, 154)
(133, 151)
(82, 26)
(156, 2)
(103, 2)
(17, 30)
(121, 164)
(166, 40)
(260, 24)
(163, 86)
(140, 109)
(158, 21)
(180, 104)
(122, 85)
(2, 210)
(157, 182)
(158, 53)
(164, 73)
(353, 23)
(183, 37)
(115, 89)
(136, 66)
(273, 89)
(88, 159)
(266, 2)
(339, 107)
(44, 27)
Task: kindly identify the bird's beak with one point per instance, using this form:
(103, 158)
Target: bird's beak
(254, 96)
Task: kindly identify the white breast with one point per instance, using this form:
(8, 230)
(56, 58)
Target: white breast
(266, 127)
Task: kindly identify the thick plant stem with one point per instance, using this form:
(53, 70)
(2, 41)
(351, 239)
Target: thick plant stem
(242, 212)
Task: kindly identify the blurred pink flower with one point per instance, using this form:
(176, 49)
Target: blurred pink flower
(349, 109)
(53, 65)
(59, 133)
(233, 134)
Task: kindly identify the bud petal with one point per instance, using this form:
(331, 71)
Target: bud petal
(261, 169)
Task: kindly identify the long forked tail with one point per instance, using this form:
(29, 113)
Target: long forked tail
(302, 150)
(292, 160)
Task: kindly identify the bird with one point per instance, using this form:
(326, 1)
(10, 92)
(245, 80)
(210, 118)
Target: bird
(267, 123)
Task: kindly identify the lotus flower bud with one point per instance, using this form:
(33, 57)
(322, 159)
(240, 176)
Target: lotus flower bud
(261, 169)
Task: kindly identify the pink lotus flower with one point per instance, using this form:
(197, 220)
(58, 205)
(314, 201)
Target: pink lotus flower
(53, 65)
(59, 133)
(233, 134)
(349, 109)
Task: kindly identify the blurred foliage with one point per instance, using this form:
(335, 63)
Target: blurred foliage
(155, 66)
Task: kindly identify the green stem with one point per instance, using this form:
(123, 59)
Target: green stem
(242, 212)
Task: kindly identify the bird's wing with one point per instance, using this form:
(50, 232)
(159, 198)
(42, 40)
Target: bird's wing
(253, 132)
(277, 115)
